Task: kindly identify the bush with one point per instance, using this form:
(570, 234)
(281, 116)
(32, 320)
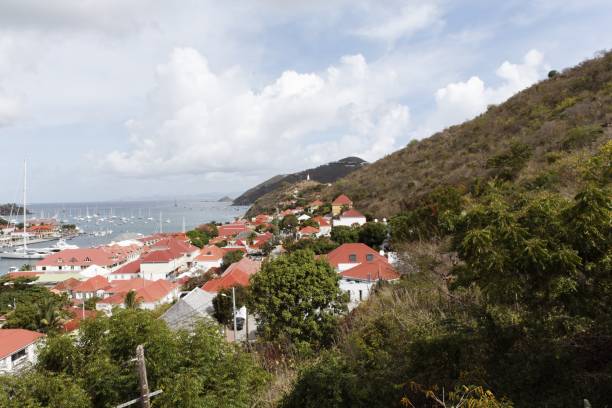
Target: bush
(507, 165)
(581, 136)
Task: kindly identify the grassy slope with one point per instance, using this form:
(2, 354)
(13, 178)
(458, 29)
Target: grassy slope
(542, 116)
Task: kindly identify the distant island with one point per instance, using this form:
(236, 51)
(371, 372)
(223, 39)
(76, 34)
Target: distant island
(11, 209)
(225, 199)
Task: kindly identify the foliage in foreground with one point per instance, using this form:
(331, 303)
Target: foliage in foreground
(296, 298)
(193, 369)
(527, 314)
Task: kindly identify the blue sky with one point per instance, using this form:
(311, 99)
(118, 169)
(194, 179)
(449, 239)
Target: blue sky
(132, 98)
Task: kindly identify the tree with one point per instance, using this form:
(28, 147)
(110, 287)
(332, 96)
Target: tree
(231, 257)
(345, 235)
(195, 368)
(289, 223)
(309, 223)
(320, 245)
(209, 229)
(373, 234)
(30, 306)
(198, 238)
(222, 303)
(198, 280)
(297, 298)
(131, 300)
(42, 390)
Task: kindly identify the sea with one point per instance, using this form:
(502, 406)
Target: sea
(114, 221)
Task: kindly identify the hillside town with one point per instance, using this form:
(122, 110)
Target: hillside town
(167, 272)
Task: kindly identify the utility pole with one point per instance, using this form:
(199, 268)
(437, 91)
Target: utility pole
(234, 310)
(145, 395)
(142, 377)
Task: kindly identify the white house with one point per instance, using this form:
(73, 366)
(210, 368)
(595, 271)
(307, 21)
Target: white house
(94, 270)
(90, 288)
(347, 256)
(211, 256)
(18, 349)
(359, 280)
(159, 264)
(350, 218)
(324, 226)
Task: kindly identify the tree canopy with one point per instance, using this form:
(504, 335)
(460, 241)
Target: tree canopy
(198, 368)
(296, 298)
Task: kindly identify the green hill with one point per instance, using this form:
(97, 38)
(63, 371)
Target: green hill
(552, 124)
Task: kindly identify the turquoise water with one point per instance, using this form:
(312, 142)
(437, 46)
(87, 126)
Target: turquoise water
(136, 215)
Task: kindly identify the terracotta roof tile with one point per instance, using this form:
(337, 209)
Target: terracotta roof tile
(13, 340)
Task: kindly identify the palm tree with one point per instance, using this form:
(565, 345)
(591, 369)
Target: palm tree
(49, 316)
(131, 300)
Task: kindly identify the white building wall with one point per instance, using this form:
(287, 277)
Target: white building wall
(344, 266)
(7, 365)
(155, 271)
(206, 265)
(349, 221)
(358, 291)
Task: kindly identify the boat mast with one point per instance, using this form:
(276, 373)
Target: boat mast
(25, 178)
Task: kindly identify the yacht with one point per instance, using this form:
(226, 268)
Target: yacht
(24, 252)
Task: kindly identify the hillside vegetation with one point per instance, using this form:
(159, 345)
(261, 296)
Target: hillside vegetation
(534, 138)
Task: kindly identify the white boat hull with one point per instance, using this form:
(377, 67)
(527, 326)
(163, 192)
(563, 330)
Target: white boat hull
(17, 255)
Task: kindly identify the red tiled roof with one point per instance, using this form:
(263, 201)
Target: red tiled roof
(129, 268)
(316, 203)
(352, 214)
(210, 253)
(24, 274)
(216, 240)
(81, 256)
(342, 200)
(372, 271)
(92, 284)
(341, 255)
(13, 340)
(308, 230)
(238, 273)
(155, 291)
(125, 285)
(229, 230)
(68, 284)
(227, 249)
(152, 291)
(160, 256)
(77, 314)
(322, 221)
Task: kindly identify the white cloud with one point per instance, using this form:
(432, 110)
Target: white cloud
(198, 121)
(9, 109)
(463, 100)
(402, 23)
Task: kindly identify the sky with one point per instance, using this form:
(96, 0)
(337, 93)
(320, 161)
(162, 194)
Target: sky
(126, 99)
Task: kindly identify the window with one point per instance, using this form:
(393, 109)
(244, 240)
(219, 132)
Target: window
(87, 259)
(18, 355)
(360, 294)
(352, 258)
(60, 260)
(369, 257)
(349, 295)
